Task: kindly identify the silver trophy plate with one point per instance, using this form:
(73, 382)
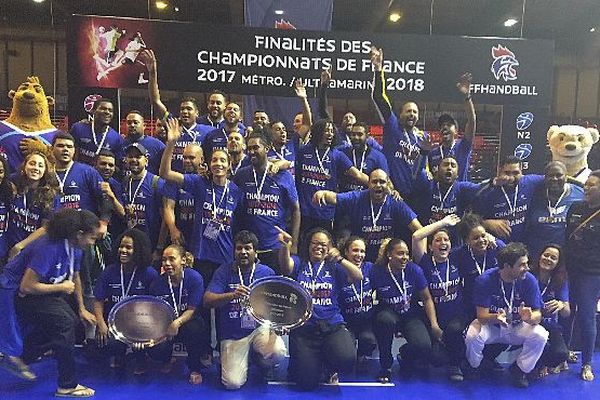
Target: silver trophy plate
(140, 320)
(279, 302)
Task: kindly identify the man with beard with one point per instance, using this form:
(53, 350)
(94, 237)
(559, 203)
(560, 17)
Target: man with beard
(239, 331)
(401, 137)
(444, 195)
(135, 134)
(91, 138)
(216, 107)
(504, 204)
(142, 192)
(261, 118)
(179, 206)
(460, 149)
(509, 306)
(217, 138)
(236, 147)
(364, 156)
(342, 134)
(268, 199)
(283, 150)
(375, 215)
(191, 131)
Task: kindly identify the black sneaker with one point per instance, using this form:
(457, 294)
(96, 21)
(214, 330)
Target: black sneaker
(455, 374)
(519, 378)
(384, 376)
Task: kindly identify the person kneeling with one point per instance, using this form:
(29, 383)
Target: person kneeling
(508, 304)
(226, 291)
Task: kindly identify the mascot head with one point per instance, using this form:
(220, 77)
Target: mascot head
(30, 110)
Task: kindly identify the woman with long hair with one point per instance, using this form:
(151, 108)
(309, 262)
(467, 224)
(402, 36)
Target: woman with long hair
(36, 197)
(131, 276)
(323, 341)
(400, 284)
(45, 274)
(551, 274)
(182, 288)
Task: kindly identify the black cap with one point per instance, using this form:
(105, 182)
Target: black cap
(445, 119)
(138, 147)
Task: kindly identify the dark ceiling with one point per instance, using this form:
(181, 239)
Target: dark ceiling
(566, 21)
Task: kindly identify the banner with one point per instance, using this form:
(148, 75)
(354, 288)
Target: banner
(199, 58)
(314, 15)
(524, 135)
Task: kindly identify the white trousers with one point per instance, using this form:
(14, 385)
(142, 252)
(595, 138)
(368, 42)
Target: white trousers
(532, 337)
(234, 355)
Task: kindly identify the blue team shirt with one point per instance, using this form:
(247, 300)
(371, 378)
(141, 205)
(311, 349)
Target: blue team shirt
(402, 151)
(196, 133)
(324, 286)
(492, 203)
(87, 149)
(48, 258)
(373, 159)
(243, 163)
(185, 210)
(310, 177)
(287, 153)
(344, 141)
(461, 151)
(446, 290)
(549, 293)
(216, 139)
(11, 136)
(155, 150)
(109, 289)
(543, 228)
(262, 214)
(226, 279)
(191, 293)
(24, 217)
(353, 309)
(3, 228)
(81, 190)
(147, 204)
(388, 293)
(394, 218)
(219, 250)
(488, 293)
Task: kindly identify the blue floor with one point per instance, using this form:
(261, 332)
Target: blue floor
(154, 385)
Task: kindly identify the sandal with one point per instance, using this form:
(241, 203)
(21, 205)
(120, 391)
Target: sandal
(17, 367)
(334, 379)
(542, 373)
(586, 373)
(572, 357)
(385, 376)
(195, 378)
(77, 391)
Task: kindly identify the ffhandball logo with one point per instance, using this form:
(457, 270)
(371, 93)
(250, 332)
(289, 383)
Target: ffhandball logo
(524, 120)
(523, 151)
(504, 63)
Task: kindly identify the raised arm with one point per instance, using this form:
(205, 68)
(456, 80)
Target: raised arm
(300, 90)
(173, 133)
(382, 102)
(324, 84)
(464, 87)
(149, 59)
(419, 237)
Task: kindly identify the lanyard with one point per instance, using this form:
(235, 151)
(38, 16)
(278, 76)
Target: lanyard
(313, 276)
(375, 217)
(512, 207)
(214, 200)
(71, 254)
(176, 304)
(443, 199)
(546, 287)
(235, 169)
(450, 151)
(125, 293)
(259, 188)
(512, 297)
(137, 189)
(446, 284)
(552, 209)
(362, 161)
(190, 132)
(282, 155)
(61, 182)
(25, 206)
(480, 268)
(320, 160)
(98, 146)
(251, 275)
(402, 289)
(360, 298)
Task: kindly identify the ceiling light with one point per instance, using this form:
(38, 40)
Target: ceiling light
(161, 5)
(176, 9)
(395, 16)
(38, 1)
(593, 29)
(510, 22)
(278, 12)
